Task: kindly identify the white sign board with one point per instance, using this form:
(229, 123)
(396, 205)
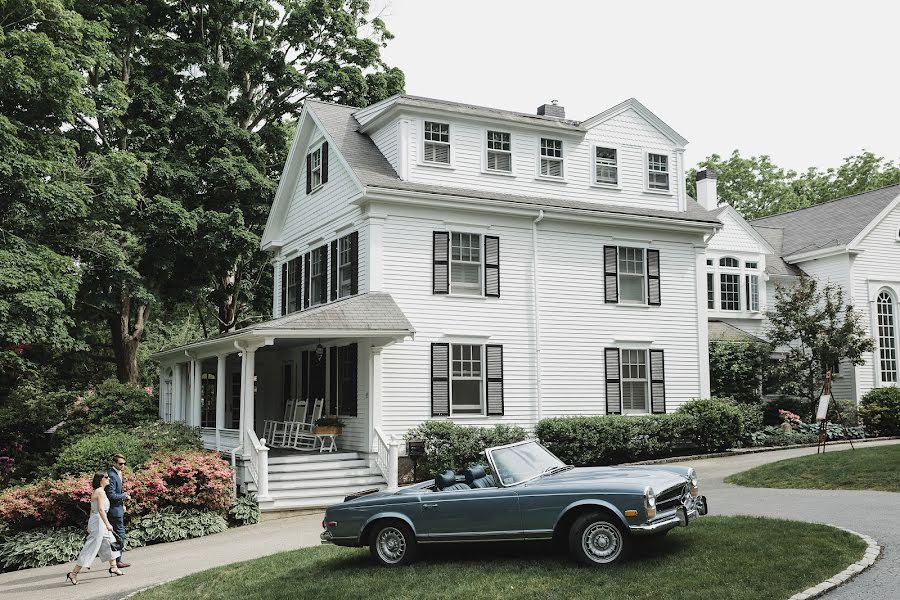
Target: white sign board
(822, 411)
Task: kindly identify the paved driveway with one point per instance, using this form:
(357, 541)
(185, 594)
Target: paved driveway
(873, 513)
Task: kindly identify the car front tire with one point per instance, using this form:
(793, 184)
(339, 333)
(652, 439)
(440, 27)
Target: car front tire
(597, 538)
(393, 544)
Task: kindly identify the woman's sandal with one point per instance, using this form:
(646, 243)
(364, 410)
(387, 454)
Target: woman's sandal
(116, 572)
(70, 579)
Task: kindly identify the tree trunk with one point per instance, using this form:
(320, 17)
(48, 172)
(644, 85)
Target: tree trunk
(126, 339)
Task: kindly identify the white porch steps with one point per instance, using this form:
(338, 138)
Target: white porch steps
(313, 480)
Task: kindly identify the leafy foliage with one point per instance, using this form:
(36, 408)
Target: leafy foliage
(170, 525)
(456, 447)
(112, 404)
(40, 547)
(93, 453)
(717, 423)
(244, 510)
(879, 411)
(161, 436)
(738, 369)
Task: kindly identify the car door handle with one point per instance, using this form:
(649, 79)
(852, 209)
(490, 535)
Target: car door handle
(428, 505)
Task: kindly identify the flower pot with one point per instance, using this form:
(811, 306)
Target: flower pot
(328, 430)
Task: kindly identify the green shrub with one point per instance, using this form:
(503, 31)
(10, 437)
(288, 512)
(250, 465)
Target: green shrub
(843, 412)
(169, 437)
(244, 511)
(774, 436)
(111, 404)
(737, 369)
(880, 411)
(93, 452)
(452, 446)
(751, 416)
(171, 525)
(717, 424)
(40, 547)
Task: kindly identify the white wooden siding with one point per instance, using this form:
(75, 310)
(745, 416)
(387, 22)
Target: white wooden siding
(576, 324)
(628, 132)
(733, 237)
(387, 139)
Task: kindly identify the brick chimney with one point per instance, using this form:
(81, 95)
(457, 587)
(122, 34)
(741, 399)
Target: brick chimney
(552, 110)
(706, 189)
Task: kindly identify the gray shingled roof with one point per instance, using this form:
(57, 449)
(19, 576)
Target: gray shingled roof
(375, 311)
(719, 331)
(834, 223)
(775, 265)
(374, 171)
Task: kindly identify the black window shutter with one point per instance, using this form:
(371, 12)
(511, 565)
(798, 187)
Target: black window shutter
(284, 288)
(653, 292)
(334, 390)
(492, 266)
(323, 269)
(349, 393)
(611, 274)
(494, 355)
(354, 263)
(335, 261)
(747, 295)
(613, 382)
(309, 173)
(657, 382)
(306, 280)
(324, 162)
(441, 258)
(440, 380)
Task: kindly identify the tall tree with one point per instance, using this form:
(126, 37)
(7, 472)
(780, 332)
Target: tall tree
(820, 329)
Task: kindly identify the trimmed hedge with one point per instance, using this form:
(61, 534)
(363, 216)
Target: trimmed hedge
(879, 411)
(93, 453)
(716, 426)
(452, 446)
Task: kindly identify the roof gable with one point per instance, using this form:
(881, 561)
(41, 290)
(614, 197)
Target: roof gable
(737, 231)
(644, 112)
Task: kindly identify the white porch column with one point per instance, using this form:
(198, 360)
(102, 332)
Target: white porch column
(702, 322)
(177, 392)
(159, 391)
(220, 395)
(376, 252)
(196, 393)
(248, 365)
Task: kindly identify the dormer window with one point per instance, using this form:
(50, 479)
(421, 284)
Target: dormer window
(499, 152)
(657, 172)
(315, 171)
(551, 158)
(606, 166)
(437, 143)
(317, 167)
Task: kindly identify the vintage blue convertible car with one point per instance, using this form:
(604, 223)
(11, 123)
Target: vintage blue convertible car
(532, 495)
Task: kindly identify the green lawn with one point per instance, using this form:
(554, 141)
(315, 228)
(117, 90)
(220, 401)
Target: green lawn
(716, 558)
(875, 468)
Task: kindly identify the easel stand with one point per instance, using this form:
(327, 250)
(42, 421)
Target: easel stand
(822, 415)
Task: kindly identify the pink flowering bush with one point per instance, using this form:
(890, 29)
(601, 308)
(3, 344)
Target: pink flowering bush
(194, 480)
(789, 417)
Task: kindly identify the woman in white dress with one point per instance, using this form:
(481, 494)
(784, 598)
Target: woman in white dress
(99, 533)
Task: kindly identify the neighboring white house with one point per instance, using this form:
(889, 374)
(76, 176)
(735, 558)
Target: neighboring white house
(852, 241)
(437, 260)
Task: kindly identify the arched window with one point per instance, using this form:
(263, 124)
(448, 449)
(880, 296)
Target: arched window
(887, 337)
(728, 261)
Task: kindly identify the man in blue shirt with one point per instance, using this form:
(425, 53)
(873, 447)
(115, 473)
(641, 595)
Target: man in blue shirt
(116, 493)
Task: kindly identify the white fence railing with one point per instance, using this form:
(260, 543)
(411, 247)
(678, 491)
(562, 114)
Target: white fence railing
(258, 454)
(220, 440)
(387, 457)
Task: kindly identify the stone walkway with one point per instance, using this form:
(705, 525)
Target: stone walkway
(872, 513)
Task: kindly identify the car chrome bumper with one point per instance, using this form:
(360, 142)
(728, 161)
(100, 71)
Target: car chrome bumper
(325, 537)
(681, 516)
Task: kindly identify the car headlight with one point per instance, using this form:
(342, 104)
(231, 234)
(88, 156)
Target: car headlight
(694, 482)
(650, 502)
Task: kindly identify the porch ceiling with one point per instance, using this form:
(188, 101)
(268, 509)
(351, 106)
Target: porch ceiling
(372, 315)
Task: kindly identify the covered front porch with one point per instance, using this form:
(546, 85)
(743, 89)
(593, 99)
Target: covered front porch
(230, 385)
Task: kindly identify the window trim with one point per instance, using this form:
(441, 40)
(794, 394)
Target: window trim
(644, 277)
(316, 148)
(646, 380)
(879, 338)
(340, 266)
(669, 163)
(485, 150)
(593, 167)
(450, 262)
(561, 159)
(482, 395)
(451, 133)
(716, 269)
(314, 263)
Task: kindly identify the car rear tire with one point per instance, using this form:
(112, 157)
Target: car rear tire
(597, 538)
(393, 544)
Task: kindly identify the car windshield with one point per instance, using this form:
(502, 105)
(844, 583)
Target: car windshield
(521, 462)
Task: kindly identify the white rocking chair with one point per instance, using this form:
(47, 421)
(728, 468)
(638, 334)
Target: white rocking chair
(274, 430)
(282, 430)
(299, 435)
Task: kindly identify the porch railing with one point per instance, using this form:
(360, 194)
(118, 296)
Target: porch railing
(387, 457)
(258, 454)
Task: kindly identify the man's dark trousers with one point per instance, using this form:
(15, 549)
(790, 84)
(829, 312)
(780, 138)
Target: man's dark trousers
(116, 513)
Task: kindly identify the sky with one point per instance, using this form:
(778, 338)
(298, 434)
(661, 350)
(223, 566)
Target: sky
(807, 83)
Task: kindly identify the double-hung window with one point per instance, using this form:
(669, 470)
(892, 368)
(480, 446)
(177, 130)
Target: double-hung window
(499, 152)
(466, 380)
(317, 276)
(465, 263)
(551, 158)
(632, 275)
(315, 168)
(437, 143)
(711, 290)
(634, 382)
(752, 280)
(606, 166)
(345, 267)
(658, 172)
(729, 285)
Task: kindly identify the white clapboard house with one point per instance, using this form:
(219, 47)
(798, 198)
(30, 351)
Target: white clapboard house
(853, 242)
(437, 260)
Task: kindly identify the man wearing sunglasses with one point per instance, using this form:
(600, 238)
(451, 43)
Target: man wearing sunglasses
(115, 491)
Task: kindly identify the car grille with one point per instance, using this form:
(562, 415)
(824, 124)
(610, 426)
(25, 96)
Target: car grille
(671, 499)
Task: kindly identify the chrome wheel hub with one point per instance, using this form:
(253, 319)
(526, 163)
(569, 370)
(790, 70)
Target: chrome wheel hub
(391, 545)
(602, 542)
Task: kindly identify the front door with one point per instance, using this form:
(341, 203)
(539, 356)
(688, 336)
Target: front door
(477, 514)
(313, 377)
